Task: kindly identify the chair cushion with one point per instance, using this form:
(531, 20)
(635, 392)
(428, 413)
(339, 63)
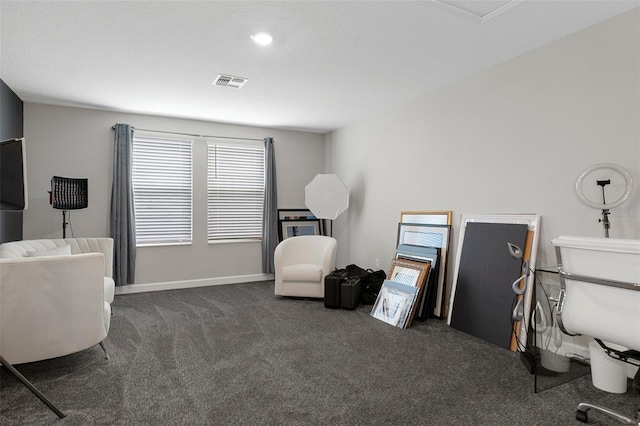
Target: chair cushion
(302, 272)
(109, 289)
(58, 251)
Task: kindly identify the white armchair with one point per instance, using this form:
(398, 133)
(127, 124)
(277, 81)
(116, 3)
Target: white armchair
(301, 263)
(55, 296)
(51, 306)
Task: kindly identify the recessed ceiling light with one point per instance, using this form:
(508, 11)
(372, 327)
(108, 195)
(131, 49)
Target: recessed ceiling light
(262, 39)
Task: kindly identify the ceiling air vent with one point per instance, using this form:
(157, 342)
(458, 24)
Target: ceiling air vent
(229, 81)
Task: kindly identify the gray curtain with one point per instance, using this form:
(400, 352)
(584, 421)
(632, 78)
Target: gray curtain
(270, 209)
(122, 219)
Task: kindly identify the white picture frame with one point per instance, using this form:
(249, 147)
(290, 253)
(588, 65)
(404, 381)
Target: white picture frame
(394, 303)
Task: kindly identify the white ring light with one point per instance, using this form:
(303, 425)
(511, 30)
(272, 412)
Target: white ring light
(619, 201)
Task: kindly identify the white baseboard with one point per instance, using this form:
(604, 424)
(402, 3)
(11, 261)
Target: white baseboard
(204, 282)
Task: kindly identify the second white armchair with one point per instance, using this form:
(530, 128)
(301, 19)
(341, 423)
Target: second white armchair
(301, 263)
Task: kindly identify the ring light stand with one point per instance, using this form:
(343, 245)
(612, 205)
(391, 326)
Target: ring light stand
(606, 207)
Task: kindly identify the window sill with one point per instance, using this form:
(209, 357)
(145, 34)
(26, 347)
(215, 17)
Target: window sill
(186, 243)
(232, 241)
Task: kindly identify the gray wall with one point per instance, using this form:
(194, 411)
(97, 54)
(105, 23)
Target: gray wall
(75, 142)
(511, 139)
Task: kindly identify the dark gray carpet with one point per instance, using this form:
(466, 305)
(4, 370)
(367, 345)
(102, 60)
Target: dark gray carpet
(238, 355)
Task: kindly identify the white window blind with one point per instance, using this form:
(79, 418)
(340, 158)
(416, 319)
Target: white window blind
(235, 190)
(162, 188)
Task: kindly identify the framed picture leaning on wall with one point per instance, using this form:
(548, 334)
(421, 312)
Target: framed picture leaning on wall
(295, 228)
(437, 236)
(289, 219)
(411, 273)
(394, 303)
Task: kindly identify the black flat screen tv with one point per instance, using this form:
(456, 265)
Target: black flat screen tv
(13, 175)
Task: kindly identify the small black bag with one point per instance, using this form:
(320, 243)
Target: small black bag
(370, 282)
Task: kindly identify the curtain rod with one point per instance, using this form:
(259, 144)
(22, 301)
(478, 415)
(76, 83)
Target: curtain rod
(194, 135)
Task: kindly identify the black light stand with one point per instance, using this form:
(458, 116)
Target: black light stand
(605, 212)
(69, 194)
(64, 223)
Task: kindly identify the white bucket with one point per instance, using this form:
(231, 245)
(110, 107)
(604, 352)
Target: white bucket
(607, 374)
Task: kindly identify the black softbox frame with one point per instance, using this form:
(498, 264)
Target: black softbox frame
(69, 193)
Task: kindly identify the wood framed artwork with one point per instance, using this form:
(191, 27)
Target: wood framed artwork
(426, 255)
(411, 273)
(295, 228)
(478, 233)
(427, 217)
(430, 236)
(408, 272)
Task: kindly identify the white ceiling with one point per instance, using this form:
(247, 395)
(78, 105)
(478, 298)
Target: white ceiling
(331, 62)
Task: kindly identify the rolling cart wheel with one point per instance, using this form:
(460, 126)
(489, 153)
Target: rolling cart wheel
(582, 416)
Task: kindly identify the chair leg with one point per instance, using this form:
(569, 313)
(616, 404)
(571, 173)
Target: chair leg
(581, 414)
(32, 388)
(106, 355)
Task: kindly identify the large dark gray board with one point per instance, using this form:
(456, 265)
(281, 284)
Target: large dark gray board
(483, 300)
(11, 126)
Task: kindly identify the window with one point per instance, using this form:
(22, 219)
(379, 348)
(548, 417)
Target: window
(235, 190)
(162, 188)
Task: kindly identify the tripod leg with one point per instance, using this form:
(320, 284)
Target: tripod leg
(106, 355)
(32, 388)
